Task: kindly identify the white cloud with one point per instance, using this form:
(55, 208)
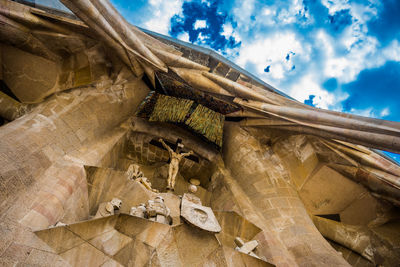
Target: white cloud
(353, 50)
(267, 16)
(201, 39)
(360, 55)
(392, 51)
(206, 2)
(364, 13)
(183, 37)
(385, 112)
(335, 6)
(307, 86)
(200, 24)
(163, 10)
(228, 31)
(292, 12)
(368, 112)
(342, 56)
(349, 54)
(371, 112)
(270, 51)
(242, 13)
(268, 11)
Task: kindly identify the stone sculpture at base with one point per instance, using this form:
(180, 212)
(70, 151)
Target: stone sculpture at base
(134, 172)
(175, 158)
(193, 212)
(139, 211)
(157, 211)
(146, 183)
(246, 248)
(108, 208)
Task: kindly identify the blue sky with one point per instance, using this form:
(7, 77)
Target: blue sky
(341, 55)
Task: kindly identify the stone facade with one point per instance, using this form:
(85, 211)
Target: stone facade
(290, 193)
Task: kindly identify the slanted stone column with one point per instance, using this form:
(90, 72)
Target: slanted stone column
(263, 180)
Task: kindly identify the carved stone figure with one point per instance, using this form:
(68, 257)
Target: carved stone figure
(134, 172)
(157, 211)
(108, 208)
(247, 247)
(193, 212)
(146, 183)
(139, 211)
(175, 157)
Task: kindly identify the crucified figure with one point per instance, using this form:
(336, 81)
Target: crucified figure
(175, 157)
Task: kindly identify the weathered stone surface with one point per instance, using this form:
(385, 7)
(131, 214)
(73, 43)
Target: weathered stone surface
(265, 186)
(319, 193)
(247, 247)
(105, 184)
(233, 225)
(110, 242)
(130, 241)
(173, 202)
(22, 70)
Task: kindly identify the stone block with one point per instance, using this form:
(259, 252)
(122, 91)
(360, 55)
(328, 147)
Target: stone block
(90, 229)
(60, 239)
(110, 242)
(187, 238)
(320, 193)
(17, 252)
(22, 70)
(84, 255)
(44, 258)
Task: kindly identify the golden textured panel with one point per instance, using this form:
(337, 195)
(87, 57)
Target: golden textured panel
(170, 109)
(208, 123)
(82, 76)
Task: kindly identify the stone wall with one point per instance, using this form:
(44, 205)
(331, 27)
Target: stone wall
(309, 166)
(42, 156)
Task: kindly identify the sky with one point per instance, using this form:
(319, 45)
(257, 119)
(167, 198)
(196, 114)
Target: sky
(341, 55)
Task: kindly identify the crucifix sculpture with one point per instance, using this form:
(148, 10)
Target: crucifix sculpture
(175, 157)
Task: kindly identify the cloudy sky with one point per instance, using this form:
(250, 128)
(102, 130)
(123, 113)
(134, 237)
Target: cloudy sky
(341, 55)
